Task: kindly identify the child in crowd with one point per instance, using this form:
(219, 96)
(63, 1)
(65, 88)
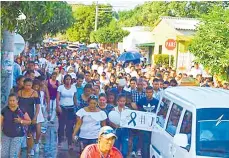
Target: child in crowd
(122, 133)
(40, 117)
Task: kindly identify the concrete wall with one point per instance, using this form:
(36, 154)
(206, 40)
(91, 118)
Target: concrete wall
(137, 35)
(162, 32)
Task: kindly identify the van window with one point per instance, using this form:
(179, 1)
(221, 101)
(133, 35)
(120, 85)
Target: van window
(174, 118)
(163, 110)
(186, 127)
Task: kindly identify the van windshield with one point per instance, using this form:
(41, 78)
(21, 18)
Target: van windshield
(212, 132)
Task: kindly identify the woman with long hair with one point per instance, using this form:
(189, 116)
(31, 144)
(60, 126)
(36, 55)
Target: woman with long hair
(83, 100)
(53, 84)
(89, 121)
(13, 122)
(29, 102)
(65, 106)
(40, 117)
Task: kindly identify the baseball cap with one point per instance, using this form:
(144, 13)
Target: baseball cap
(107, 132)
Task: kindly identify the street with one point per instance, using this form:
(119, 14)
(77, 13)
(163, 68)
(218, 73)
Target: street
(49, 148)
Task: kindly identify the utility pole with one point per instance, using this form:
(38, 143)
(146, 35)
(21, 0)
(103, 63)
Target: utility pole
(96, 16)
(7, 66)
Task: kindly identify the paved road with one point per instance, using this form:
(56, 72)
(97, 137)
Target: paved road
(48, 146)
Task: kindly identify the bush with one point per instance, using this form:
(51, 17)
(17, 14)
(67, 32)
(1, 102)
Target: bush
(163, 60)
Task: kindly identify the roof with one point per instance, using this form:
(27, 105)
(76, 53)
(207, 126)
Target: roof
(201, 97)
(137, 29)
(180, 23)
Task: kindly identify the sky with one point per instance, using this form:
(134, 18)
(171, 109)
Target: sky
(117, 4)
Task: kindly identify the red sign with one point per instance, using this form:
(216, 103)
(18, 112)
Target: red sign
(170, 44)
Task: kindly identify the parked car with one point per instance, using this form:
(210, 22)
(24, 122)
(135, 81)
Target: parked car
(191, 122)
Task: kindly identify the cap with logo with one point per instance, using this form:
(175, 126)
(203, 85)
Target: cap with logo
(107, 132)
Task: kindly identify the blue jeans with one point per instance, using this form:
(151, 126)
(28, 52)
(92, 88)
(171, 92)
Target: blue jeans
(85, 142)
(146, 138)
(135, 139)
(122, 142)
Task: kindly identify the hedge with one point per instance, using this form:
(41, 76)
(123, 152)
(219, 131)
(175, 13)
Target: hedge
(163, 59)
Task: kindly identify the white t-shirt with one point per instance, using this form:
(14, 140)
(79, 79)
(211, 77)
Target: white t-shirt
(94, 67)
(134, 74)
(50, 67)
(195, 72)
(43, 61)
(100, 70)
(127, 70)
(37, 74)
(66, 95)
(91, 123)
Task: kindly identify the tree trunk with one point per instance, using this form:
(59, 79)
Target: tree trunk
(7, 66)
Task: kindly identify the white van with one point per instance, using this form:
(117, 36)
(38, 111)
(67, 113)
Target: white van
(191, 122)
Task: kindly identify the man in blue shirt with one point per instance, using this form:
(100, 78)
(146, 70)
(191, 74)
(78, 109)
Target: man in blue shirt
(120, 89)
(147, 104)
(16, 73)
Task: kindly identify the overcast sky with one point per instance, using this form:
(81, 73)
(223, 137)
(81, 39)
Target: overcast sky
(117, 4)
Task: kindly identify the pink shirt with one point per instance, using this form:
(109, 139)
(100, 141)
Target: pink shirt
(92, 151)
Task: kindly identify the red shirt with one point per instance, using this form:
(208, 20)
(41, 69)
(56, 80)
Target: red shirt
(92, 151)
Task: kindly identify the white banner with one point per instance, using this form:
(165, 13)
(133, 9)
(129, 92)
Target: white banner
(137, 120)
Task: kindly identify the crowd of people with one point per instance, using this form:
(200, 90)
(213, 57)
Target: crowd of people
(80, 89)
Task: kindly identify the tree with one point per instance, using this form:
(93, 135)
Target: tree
(40, 19)
(44, 18)
(211, 42)
(148, 13)
(85, 21)
(109, 34)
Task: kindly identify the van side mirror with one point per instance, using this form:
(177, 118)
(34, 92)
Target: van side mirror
(181, 140)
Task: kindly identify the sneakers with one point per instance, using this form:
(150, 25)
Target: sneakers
(133, 154)
(32, 152)
(139, 153)
(36, 148)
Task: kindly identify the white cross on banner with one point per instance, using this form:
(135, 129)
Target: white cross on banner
(137, 120)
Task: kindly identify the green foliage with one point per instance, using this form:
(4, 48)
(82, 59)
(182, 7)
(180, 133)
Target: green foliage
(211, 43)
(148, 13)
(109, 34)
(42, 18)
(85, 22)
(9, 11)
(163, 59)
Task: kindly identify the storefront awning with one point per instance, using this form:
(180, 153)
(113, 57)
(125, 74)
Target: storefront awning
(145, 45)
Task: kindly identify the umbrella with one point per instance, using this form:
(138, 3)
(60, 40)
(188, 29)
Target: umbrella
(129, 56)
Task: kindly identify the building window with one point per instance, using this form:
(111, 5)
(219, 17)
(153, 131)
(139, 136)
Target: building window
(160, 49)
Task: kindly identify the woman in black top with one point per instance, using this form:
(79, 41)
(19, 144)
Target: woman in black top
(13, 122)
(29, 102)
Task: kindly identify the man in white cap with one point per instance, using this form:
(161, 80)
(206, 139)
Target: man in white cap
(104, 148)
(120, 89)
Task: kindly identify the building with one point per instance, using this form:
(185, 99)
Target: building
(139, 36)
(172, 35)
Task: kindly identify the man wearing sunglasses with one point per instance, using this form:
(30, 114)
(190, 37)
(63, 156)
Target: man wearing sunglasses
(104, 148)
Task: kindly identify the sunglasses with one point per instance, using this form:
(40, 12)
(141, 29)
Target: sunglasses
(93, 97)
(108, 132)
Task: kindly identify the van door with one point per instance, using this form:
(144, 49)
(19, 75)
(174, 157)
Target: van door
(157, 139)
(186, 128)
(171, 129)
